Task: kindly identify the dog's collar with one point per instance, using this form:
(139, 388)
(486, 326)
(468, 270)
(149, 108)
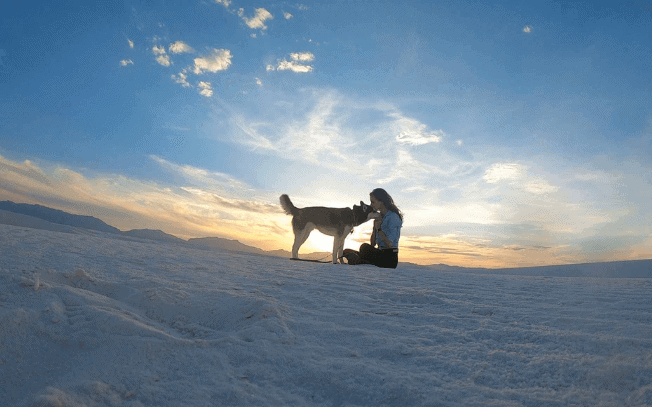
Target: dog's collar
(355, 218)
(356, 221)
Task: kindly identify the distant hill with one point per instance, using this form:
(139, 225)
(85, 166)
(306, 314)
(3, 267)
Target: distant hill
(612, 269)
(279, 253)
(42, 217)
(153, 235)
(224, 244)
(58, 217)
(17, 219)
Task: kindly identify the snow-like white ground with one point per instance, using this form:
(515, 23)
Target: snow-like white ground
(87, 320)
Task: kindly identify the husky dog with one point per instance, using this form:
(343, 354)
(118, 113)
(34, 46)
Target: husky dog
(336, 222)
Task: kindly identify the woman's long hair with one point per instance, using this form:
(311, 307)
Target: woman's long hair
(384, 197)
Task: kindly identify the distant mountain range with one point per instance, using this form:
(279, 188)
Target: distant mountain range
(42, 217)
(224, 244)
(153, 235)
(58, 217)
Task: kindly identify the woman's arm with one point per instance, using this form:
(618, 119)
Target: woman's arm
(383, 237)
(378, 220)
(391, 227)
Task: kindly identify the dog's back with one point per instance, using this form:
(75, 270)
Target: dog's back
(319, 216)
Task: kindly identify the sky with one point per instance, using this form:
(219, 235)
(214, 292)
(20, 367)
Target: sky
(508, 133)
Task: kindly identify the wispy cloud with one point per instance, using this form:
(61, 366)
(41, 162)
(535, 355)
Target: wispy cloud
(527, 29)
(206, 89)
(407, 168)
(540, 186)
(251, 136)
(217, 60)
(207, 179)
(414, 133)
(295, 64)
(516, 175)
(180, 47)
(328, 135)
(451, 248)
(126, 62)
(225, 3)
(246, 205)
(287, 15)
(161, 56)
(504, 172)
(182, 79)
(131, 43)
(258, 20)
(302, 56)
(158, 50)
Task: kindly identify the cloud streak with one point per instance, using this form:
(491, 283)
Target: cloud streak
(225, 3)
(326, 136)
(209, 203)
(161, 56)
(180, 47)
(258, 20)
(206, 89)
(217, 60)
(516, 175)
(414, 133)
(297, 63)
(182, 79)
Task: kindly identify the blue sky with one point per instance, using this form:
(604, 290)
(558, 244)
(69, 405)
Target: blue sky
(509, 133)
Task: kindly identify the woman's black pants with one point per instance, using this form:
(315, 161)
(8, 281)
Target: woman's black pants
(386, 258)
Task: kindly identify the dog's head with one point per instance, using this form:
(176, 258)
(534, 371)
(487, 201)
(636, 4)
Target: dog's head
(362, 212)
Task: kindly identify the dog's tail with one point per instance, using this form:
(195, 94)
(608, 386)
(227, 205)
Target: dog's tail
(288, 206)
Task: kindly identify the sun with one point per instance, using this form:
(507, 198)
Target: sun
(319, 242)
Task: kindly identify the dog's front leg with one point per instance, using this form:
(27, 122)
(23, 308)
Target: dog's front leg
(338, 248)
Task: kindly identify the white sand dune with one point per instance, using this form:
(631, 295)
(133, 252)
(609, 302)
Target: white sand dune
(86, 320)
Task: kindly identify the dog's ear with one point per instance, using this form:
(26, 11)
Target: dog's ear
(364, 206)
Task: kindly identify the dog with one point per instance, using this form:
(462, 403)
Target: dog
(336, 222)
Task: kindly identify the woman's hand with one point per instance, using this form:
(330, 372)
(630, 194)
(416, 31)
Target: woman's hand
(377, 223)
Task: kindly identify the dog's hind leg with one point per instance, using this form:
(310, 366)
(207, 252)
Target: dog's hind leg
(300, 236)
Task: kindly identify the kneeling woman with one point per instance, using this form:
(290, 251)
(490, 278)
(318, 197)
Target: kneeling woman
(385, 235)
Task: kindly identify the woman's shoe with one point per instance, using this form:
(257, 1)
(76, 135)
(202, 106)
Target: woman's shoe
(352, 257)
